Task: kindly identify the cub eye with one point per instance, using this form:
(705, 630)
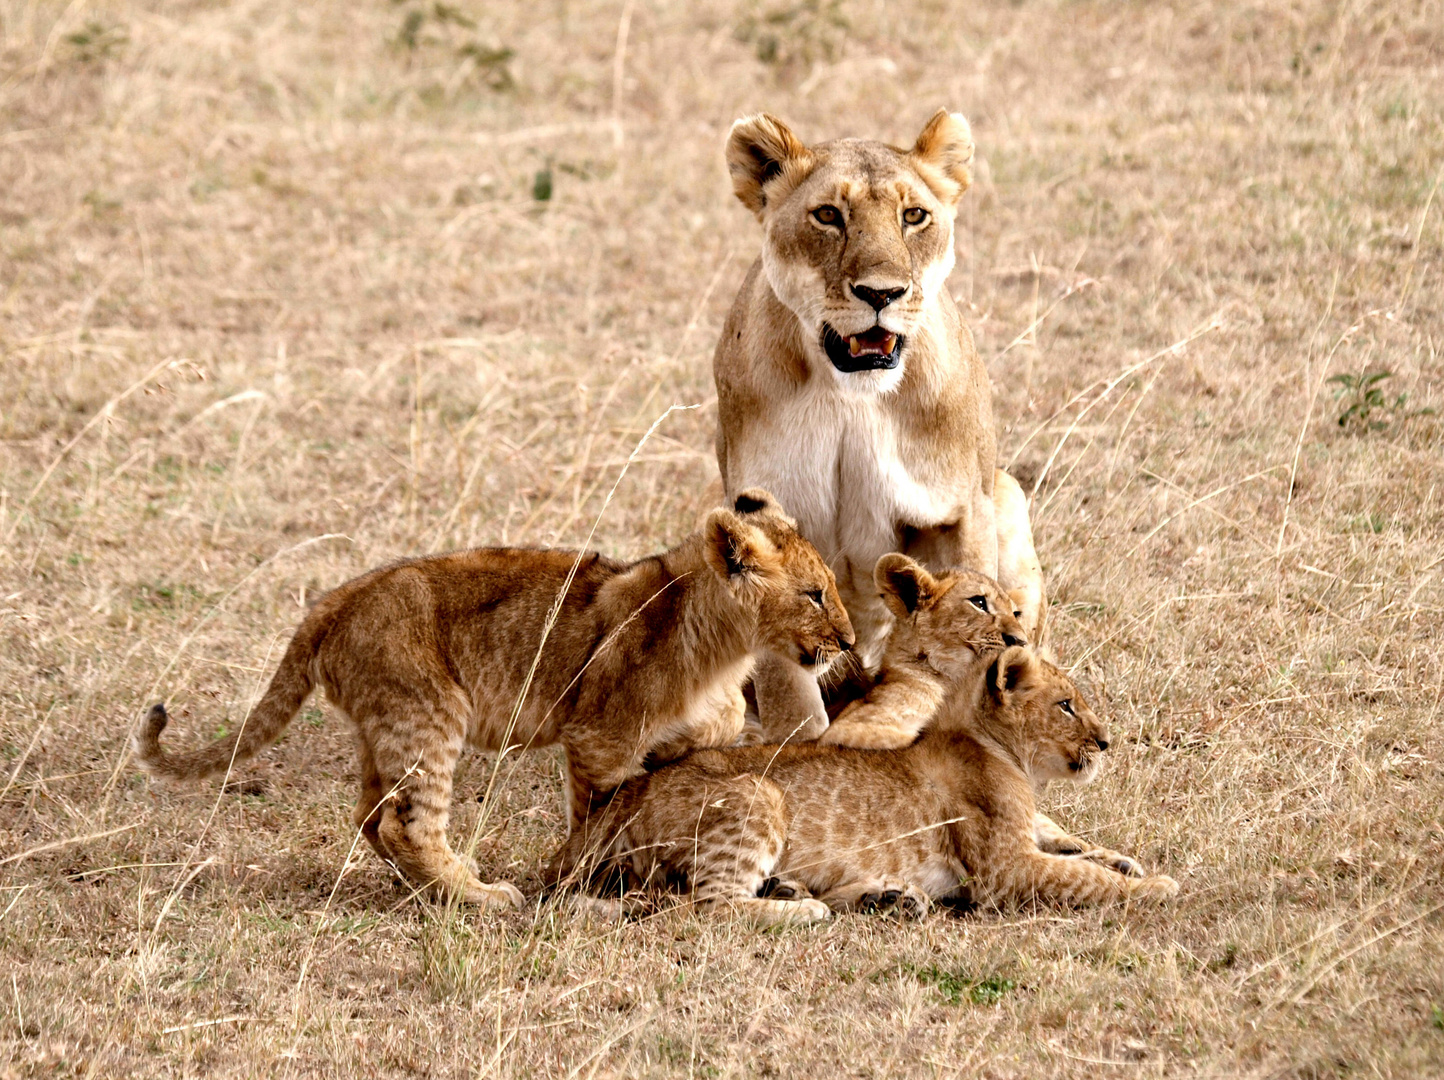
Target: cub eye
(827, 215)
(979, 602)
(815, 596)
(914, 215)
(1067, 707)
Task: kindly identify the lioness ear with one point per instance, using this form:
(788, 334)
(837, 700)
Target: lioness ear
(760, 149)
(1012, 670)
(943, 153)
(732, 546)
(905, 586)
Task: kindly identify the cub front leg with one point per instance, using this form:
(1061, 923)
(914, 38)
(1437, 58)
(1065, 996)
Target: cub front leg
(1060, 879)
(891, 715)
(1053, 840)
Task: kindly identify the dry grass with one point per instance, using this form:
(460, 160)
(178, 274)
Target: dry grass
(277, 303)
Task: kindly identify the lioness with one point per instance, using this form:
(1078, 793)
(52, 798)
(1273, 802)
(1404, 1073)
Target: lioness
(430, 654)
(833, 828)
(848, 383)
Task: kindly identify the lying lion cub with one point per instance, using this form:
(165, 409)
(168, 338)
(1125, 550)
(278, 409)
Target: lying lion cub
(858, 829)
(430, 654)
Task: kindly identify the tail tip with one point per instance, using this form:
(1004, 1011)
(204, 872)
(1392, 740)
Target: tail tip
(146, 741)
(157, 719)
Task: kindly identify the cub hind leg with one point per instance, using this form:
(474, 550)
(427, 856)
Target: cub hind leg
(728, 847)
(371, 803)
(414, 752)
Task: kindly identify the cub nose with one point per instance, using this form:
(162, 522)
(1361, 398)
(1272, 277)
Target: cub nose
(1014, 639)
(877, 299)
(844, 644)
(1102, 741)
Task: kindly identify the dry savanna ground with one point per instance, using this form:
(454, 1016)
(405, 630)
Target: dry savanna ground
(289, 290)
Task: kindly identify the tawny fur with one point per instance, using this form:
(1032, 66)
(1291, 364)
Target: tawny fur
(942, 625)
(870, 461)
(857, 829)
(429, 655)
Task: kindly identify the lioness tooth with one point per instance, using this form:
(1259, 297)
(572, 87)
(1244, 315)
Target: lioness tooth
(854, 346)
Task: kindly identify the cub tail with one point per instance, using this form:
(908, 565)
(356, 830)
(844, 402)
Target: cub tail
(290, 686)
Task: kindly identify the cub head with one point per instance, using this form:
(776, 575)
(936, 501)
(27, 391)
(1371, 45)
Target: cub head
(951, 619)
(858, 236)
(1034, 709)
(779, 578)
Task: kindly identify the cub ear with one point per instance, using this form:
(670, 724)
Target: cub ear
(732, 546)
(944, 151)
(761, 148)
(757, 501)
(904, 584)
(1013, 670)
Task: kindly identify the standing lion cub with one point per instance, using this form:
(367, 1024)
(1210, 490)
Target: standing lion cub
(428, 655)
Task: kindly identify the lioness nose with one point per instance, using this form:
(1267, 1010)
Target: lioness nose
(877, 299)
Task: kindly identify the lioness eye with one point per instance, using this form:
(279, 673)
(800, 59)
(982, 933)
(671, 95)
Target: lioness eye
(979, 602)
(816, 597)
(828, 215)
(914, 215)
(1066, 706)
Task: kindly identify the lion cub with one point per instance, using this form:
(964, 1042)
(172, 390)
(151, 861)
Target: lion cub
(428, 655)
(857, 828)
(941, 625)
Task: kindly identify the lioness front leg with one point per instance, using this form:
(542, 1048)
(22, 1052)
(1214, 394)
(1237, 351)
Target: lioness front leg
(1019, 571)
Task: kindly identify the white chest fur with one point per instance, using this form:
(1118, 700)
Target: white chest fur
(835, 461)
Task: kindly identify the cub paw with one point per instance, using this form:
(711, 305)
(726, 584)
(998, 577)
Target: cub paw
(501, 894)
(905, 903)
(752, 733)
(807, 911)
(1155, 889)
(783, 889)
(1114, 861)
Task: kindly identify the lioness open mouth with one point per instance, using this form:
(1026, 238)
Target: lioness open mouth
(872, 350)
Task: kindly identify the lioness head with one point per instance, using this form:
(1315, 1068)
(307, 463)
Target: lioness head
(1037, 711)
(951, 619)
(774, 572)
(859, 235)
